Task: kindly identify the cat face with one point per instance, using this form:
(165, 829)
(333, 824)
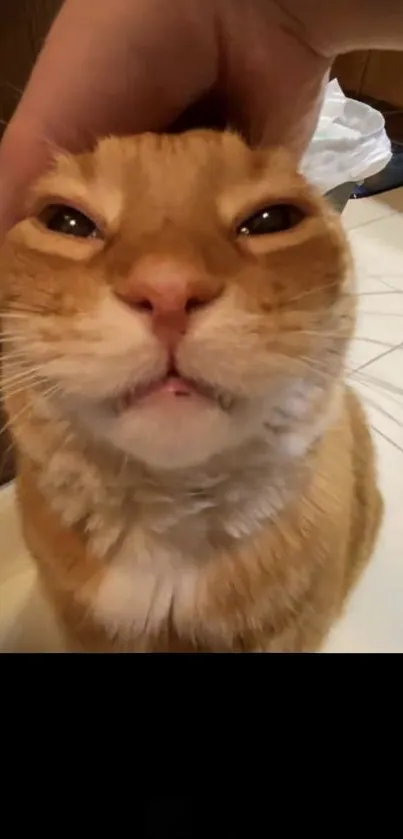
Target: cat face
(174, 295)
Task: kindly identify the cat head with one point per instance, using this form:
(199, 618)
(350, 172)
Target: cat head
(173, 295)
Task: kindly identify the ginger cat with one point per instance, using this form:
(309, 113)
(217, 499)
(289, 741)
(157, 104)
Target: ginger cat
(193, 472)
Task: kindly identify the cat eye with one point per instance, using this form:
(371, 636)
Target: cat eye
(67, 220)
(273, 219)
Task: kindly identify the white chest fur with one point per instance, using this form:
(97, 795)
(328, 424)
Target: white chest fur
(146, 581)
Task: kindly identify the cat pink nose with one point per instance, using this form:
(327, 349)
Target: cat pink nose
(169, 292)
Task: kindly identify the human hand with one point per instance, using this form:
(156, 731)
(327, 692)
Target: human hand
(124, 66)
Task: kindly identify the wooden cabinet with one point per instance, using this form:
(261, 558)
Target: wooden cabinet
(376, 75)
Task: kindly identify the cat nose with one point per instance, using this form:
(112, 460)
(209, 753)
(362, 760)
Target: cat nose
(169, 293)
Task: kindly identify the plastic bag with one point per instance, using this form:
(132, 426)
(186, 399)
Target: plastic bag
(350, 142)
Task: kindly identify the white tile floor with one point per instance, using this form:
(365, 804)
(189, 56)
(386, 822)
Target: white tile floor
(374, 618)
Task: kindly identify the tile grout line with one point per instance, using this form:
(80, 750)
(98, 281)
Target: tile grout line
(370, 221)
(378, 357)
(392, 288)
(386, 438)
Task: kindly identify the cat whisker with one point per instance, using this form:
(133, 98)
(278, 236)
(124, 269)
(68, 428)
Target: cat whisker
(379, 276)
(17, 342)
(314, 290)
(377, 293)
(353, 293)
(382, 410)
(314, 367)
(318, 333)
(380, 391)
(310, 365)
(22, 373)
(387, 387)
(360, 378)
(19, 387)
(8, 426)
(381, 314)
(55, 388)
(386, 437)
(19, 378)
(17, 354)
(19, 390)
(18, 382)
(18, 361)
(14, 368)
(14, 358)
(22, 315)
(389, 292)
(29, 406)
(13, 335)
(318, 367)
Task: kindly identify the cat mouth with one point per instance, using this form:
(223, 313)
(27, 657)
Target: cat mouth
(171, 386)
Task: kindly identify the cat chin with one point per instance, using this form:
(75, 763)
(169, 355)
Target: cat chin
(184, 436)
